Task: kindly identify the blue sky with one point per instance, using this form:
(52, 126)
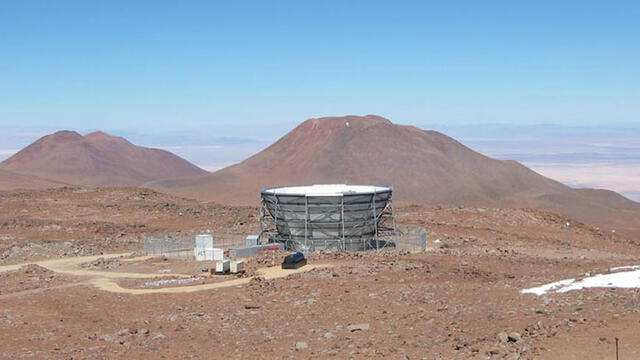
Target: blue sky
(167, 65)
(553, 84)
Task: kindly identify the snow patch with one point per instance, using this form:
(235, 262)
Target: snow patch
(554, 287)
(629, 267)
(172, 282)
(623, 279)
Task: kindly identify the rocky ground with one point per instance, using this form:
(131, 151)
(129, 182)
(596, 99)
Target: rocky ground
(76, 221)
(459, 300)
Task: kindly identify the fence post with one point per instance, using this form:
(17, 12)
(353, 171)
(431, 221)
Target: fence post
(426, 239)
(422, 239)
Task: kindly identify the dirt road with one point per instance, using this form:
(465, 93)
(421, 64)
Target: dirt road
(105, 280)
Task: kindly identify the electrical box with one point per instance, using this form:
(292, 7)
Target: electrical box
(222, 267)
(204, 247)
(237, 267)
(217, 254)
(251, 240)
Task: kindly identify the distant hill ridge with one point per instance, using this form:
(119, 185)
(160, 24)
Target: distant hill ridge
(425, 167)
(96, 159)
(11, 181)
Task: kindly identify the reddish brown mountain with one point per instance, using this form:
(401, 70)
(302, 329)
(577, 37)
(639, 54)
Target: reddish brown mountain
(423, 166)
(97, 159)
(10, 181)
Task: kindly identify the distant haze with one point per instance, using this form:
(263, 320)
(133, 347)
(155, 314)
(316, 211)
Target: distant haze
(217, 81)
(579, 156)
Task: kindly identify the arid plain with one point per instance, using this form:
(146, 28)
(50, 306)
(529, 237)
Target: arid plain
(76, 283)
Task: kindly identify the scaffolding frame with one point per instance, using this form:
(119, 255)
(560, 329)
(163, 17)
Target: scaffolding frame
(332, 229)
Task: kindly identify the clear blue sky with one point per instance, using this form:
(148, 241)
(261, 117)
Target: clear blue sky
(199, 64)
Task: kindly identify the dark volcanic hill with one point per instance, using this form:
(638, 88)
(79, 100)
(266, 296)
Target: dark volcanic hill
(97, 159)
(423, 166)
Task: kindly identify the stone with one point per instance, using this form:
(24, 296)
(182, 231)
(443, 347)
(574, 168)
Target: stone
(160, 336)
(358, 327)
(106, 337)
(123, 332)
(503, 337)
(301, 345)
(328, 335)
(514, 337)
(632, 304)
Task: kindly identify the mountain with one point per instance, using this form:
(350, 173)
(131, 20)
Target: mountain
(97, 159)
(424, 167)
(10, 181)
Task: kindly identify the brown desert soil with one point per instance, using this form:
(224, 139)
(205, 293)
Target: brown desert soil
(63, 250)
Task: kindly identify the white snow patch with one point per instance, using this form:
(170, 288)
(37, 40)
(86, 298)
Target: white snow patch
(623, 279)
(172, 282)
(541, 290)
(629, 267)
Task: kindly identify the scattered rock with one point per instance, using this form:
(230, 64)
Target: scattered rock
(102, 263)
(503, 337)
(34, 269)
(515, 337)
(358, 327)
(632, 304)
(301, 345)
(106, 337)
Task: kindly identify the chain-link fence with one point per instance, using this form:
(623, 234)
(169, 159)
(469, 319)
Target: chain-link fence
(410, 238)
(182, 245)
(228, 241)
(174, 246)
(413, 239)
